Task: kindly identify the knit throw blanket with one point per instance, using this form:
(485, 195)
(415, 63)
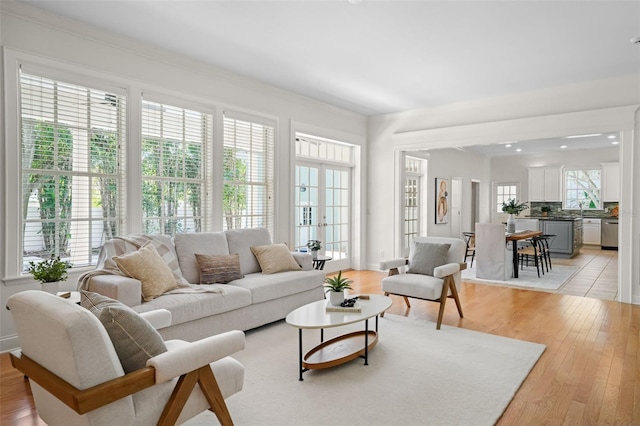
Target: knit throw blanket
(127, 244)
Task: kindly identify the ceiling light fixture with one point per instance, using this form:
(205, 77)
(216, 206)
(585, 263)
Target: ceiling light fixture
(519, 149)
(508, 145)
(615, 143)
(563, 146)
(611, 137)
(583, 136)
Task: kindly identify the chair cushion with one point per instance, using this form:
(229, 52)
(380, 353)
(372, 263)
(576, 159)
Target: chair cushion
(147, 266)
(219, 268)
(425, 257)
(133, 337)
(275, 258)
(414, 285)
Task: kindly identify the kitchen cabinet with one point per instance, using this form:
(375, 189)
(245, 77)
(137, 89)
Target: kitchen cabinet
(591, 231)
(568, 236)
(545, 184)
(611, 182)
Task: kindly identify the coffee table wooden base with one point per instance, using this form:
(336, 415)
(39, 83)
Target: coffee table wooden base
(339, 350)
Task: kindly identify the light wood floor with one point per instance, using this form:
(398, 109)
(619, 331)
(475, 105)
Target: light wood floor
(588, 375)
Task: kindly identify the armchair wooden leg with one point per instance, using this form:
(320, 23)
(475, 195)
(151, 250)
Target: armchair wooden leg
(406, 300)
(454, 293)
(382, 314)
(209, 386)
(443, 302)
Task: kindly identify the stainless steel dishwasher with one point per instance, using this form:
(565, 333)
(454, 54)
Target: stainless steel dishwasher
(609, 234)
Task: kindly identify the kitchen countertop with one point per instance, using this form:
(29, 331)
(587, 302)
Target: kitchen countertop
(571, 218)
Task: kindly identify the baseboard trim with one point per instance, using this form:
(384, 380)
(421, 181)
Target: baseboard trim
(9, 343)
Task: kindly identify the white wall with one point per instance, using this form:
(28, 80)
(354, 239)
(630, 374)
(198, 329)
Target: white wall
(25, 31)
(598, 106)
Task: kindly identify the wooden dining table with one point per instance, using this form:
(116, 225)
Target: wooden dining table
(514, 238)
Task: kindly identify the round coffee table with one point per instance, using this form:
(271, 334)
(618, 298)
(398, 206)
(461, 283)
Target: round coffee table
(343, 348)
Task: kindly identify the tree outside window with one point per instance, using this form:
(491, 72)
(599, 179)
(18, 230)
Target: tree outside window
(583, 189)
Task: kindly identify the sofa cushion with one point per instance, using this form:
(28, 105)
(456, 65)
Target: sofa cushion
(187, 245)
(425, 257)
(275, 258)
(241, 240)
(133, 337)
(218, 268)
(193, 306)
(147, 266)
(269, 287)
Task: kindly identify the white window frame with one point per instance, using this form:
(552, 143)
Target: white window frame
(417, 173)
(582, 205)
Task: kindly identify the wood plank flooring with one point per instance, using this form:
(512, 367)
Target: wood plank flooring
(588, 375)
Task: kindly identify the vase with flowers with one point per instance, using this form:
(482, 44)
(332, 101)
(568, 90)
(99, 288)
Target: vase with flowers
(513, 207)
(314, 246)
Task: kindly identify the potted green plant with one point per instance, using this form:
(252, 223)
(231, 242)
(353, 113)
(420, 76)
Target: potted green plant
(314, 246)
(336, 285)
(50, 272)
(512, 206)
(545, 210)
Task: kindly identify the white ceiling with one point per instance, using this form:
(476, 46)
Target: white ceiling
(381, 57)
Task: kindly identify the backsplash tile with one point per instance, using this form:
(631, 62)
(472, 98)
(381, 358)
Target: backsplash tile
(556, 210)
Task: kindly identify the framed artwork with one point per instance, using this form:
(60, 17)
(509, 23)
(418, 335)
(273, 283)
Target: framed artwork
(442, 201)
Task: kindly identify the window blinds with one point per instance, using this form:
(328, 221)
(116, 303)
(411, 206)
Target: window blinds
(174, 141)
(72, 140)
(248, 173)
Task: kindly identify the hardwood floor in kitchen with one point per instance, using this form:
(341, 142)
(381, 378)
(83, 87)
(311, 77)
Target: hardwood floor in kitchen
(589, 373)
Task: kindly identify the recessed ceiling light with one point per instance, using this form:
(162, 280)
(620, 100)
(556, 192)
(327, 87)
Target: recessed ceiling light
(563, 146)
(615, 143)
(508, 145)
(519, 149)
(611, 136)
(583, 136)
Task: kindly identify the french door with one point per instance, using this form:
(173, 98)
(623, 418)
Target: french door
(322, 210)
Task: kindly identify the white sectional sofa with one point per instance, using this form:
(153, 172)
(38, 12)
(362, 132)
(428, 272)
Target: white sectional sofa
(243, 304)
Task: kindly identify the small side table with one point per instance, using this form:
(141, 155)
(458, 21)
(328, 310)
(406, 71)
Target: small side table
(74, 296)
(318, 262)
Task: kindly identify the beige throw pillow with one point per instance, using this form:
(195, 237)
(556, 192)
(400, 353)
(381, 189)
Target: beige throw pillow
(425, 257)
(133, 337)
(147, 266)
(275, 258)
(218, 268)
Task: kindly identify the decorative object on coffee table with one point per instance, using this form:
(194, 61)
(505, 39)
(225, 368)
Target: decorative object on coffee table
(314, 247)
(336, 285)
(50, 272)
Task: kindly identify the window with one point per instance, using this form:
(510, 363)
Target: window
(583, 189)
(412, 201)
(174, 140)
(248, 173)
(71, 140)
(504, 193)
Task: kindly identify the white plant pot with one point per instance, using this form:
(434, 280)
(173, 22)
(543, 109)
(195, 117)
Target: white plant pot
(336, 297)
(51, 287)
(511, 224)
(314, 254)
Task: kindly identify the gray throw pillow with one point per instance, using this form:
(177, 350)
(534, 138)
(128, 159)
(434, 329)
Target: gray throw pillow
(425, 257)
(133, 337)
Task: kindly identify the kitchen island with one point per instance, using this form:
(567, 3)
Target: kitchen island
(568, 231)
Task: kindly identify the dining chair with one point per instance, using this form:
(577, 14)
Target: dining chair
(470, 240)
(547, 240)
(534, 251)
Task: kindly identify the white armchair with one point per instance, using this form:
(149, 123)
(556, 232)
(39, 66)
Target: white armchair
(77, 378)
(433, 272)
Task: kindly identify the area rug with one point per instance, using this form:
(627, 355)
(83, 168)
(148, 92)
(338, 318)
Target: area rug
(416, 375)
(528, 277)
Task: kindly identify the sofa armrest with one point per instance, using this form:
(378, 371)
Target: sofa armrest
(159, 318)
(126, 290)
(304, 259)
(192, 356)
(444, 270)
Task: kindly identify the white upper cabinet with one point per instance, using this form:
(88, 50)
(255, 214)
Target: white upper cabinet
(610, 181)
(545, 184)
